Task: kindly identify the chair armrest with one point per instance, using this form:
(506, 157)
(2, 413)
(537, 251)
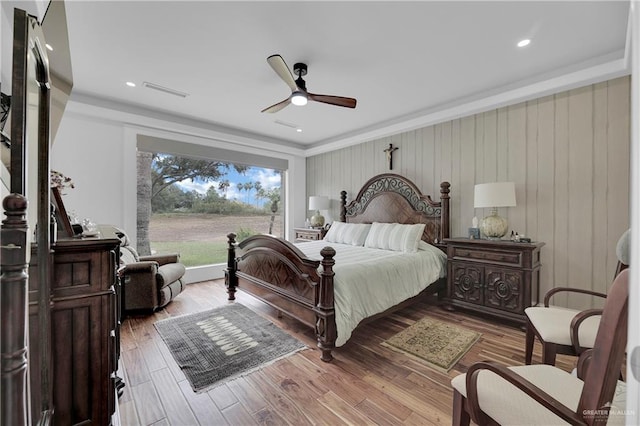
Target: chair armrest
(576, 321)
(139, 285)
(537, 394)
(169, 273)
(162, 259)
(555, 290)
(140, 267)
(583, 363)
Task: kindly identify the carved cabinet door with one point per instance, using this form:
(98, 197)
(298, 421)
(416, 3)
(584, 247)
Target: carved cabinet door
(503, 289)
(467, 282)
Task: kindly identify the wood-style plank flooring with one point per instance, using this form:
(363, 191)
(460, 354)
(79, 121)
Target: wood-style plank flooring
(366, 383)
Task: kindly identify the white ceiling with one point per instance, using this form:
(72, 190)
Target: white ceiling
(400, 60)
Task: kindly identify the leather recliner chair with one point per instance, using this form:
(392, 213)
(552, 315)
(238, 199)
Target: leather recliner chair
(148, 282)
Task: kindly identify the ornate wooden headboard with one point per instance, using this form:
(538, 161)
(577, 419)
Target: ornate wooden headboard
(393, 198)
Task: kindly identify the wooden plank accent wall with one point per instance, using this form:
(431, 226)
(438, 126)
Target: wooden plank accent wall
(568, 154)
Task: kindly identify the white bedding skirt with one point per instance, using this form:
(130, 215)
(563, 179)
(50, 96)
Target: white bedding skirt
(369, 281)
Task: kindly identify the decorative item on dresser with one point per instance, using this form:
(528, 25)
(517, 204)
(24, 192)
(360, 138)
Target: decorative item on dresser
(494, 195)
(317, 203)
(496, 278)
(305, 286)
(309, 234)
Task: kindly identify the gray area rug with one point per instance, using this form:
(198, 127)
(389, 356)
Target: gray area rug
(223, 343)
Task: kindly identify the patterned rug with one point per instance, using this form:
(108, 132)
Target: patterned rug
(440, 345)
(224, 343)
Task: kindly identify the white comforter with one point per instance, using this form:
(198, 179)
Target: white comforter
(369, 281)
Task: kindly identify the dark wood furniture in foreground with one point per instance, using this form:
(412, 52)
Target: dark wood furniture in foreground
(309, 234)
(497, 278)
(276, 272)
(84, 342)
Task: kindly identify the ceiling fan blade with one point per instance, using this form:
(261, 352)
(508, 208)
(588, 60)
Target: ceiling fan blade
(280, 67)
(333, 100)
(277, 107)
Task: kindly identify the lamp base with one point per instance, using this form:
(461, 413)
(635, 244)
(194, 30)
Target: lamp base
(317, 220)
(494, 227)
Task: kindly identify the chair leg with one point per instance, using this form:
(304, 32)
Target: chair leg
(460, 415)
(529, 339)
(549, 353)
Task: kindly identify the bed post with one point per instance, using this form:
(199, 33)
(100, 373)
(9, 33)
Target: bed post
(343, 206)
(230, 278)
(444, 215)
(325, 311)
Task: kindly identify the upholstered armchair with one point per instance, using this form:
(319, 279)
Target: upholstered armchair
(542, 394)
(148, 282)
(567, 331)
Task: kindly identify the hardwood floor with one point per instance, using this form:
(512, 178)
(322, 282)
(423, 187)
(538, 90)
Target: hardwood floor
(365, 384)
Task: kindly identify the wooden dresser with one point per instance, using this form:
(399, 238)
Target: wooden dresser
(495, 278)
(84, 341)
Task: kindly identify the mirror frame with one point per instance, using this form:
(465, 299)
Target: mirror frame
(30, 144)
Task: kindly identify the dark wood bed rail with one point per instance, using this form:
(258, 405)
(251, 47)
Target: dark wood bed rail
(276, 272)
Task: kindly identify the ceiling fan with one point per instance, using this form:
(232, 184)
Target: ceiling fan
(299, 95)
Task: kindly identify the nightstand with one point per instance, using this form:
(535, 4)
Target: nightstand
(309, 234)
(495, 278)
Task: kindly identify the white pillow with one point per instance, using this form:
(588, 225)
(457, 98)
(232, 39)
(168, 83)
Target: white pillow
(347, 233)
(395, 236)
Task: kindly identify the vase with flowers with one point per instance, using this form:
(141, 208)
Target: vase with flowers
(59, 183)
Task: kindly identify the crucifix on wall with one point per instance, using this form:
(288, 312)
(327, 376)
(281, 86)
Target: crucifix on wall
(389, 152)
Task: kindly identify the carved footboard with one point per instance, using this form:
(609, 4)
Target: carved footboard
(276, 272)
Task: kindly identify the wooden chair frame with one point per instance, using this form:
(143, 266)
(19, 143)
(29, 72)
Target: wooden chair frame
(549, 349)
(598, 367)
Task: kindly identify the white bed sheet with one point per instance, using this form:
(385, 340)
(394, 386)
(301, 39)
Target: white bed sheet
(369, 281)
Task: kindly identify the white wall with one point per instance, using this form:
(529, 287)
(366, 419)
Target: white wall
(96, 147)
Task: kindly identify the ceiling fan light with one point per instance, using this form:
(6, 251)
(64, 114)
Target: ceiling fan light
(298, 98)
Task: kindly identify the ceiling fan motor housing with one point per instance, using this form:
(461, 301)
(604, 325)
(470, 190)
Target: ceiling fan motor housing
(300, 69)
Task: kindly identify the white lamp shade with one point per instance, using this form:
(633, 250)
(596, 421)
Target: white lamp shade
(318, 202)
(496, 194)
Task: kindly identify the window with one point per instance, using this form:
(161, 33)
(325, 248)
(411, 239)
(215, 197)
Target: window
(189, 205)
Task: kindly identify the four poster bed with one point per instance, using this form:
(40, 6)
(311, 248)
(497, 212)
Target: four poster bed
(381, 256)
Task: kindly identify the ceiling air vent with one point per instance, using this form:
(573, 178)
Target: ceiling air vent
(164, 89)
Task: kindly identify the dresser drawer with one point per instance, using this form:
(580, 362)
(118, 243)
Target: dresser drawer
(494, 256)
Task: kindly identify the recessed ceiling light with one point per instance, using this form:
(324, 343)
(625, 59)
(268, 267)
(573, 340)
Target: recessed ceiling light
(48, 46)
(299, 130)
(131, 84)
(523, 43)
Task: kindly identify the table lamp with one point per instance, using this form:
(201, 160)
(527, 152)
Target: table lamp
(494, 195)
(317, 203)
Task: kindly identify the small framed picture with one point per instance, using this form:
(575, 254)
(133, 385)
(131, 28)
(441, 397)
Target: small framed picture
(474, 233)
(64, 225)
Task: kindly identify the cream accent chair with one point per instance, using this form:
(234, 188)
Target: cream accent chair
(563, 330)
(546, 395)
